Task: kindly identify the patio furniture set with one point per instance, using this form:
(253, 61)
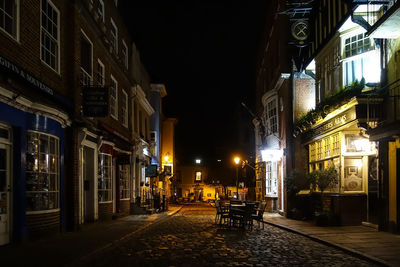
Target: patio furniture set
(239, 214)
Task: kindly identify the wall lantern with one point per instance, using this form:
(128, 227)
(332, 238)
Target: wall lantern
(271, 154)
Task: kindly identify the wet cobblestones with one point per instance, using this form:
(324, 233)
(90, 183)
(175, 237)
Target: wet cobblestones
(190, 238)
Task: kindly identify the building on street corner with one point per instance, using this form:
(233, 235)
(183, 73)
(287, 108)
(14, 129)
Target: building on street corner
(335, 87)
(75, 130)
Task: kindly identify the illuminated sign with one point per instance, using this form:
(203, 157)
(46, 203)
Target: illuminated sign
(271, 154)
(337, 121)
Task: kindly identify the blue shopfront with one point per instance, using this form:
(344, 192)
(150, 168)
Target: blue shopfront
(31, 170)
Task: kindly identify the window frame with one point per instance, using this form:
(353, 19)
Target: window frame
(124, 113)
(114, 115)
(196, 180)
(103, 74)
(57, 173)
(125, 54)
(274, 119)
(271, 178)
(114, 26)
(110, 190)
(91, 61)
(58, 57)
(125, 169)
(16, 21)
(102, 13)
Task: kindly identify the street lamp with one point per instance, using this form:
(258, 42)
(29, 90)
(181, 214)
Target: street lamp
(237, 161)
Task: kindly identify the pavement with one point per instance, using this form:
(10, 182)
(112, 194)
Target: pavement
(363, 241)
(69, 248)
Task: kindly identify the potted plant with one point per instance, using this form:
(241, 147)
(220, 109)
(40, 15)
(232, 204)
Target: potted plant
(323, 180)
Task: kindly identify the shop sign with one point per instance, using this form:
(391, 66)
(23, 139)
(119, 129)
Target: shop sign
(30, 79)
(95, 101)
(151, 170)
(337, 121)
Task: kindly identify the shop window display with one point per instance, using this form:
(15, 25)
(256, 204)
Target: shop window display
(104, 178)
(42, 172)
(124, 181)
(353, 174)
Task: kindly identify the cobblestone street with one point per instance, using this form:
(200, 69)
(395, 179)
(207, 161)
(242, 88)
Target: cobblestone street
(190, 238)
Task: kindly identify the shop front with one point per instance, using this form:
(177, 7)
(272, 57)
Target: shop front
(31, 171)
(340, 140)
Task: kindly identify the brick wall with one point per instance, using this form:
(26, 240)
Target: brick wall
(105, 211)
(43, 223)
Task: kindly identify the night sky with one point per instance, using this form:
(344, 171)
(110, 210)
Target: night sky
(204, 52)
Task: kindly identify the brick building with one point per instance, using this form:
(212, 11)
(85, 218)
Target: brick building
(281, 92)
(75, 116)
(35, 117)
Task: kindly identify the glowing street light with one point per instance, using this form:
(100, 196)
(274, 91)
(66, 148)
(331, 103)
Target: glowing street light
(237, 161)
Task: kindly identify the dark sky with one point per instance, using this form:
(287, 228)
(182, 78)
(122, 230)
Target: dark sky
(204, 52)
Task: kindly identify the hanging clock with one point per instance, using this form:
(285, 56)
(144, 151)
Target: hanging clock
(300, 30)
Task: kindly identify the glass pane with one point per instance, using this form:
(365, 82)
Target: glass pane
(44, 143)
(32, 181)
(44, 163)
(53, 183)
(353, 174)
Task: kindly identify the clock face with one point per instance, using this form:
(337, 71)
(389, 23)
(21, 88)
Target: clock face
(300, 30)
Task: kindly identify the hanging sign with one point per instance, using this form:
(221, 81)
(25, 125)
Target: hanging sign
(95, 101)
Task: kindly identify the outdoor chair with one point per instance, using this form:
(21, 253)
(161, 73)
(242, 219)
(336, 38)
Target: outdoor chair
(222, 213)
(260, 213)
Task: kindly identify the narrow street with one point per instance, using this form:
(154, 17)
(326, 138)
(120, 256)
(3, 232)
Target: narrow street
(190, 238)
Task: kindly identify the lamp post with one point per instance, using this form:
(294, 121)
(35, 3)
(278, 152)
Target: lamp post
(237, 161)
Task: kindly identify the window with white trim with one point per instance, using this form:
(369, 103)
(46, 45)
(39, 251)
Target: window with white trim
(104, 187)
(50, 40)
(100, 73)
(42, 172)
(86, 60)
(100, 10)
(361, 60)
(271, 183)
(124, 108)
(124, 52)
(9, 11)
(114, 98)
(272, 115)
(114, 36)
(123, 181)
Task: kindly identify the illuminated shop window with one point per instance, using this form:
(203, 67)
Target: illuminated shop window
(271, 172)
(42, 172)
(327, 147)
(124, 181)
(198, 177)
(319, 150)
(353, 174)
(335, 144)
(50, 23)
(104, 178)
(312, 152)
(8, 16)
